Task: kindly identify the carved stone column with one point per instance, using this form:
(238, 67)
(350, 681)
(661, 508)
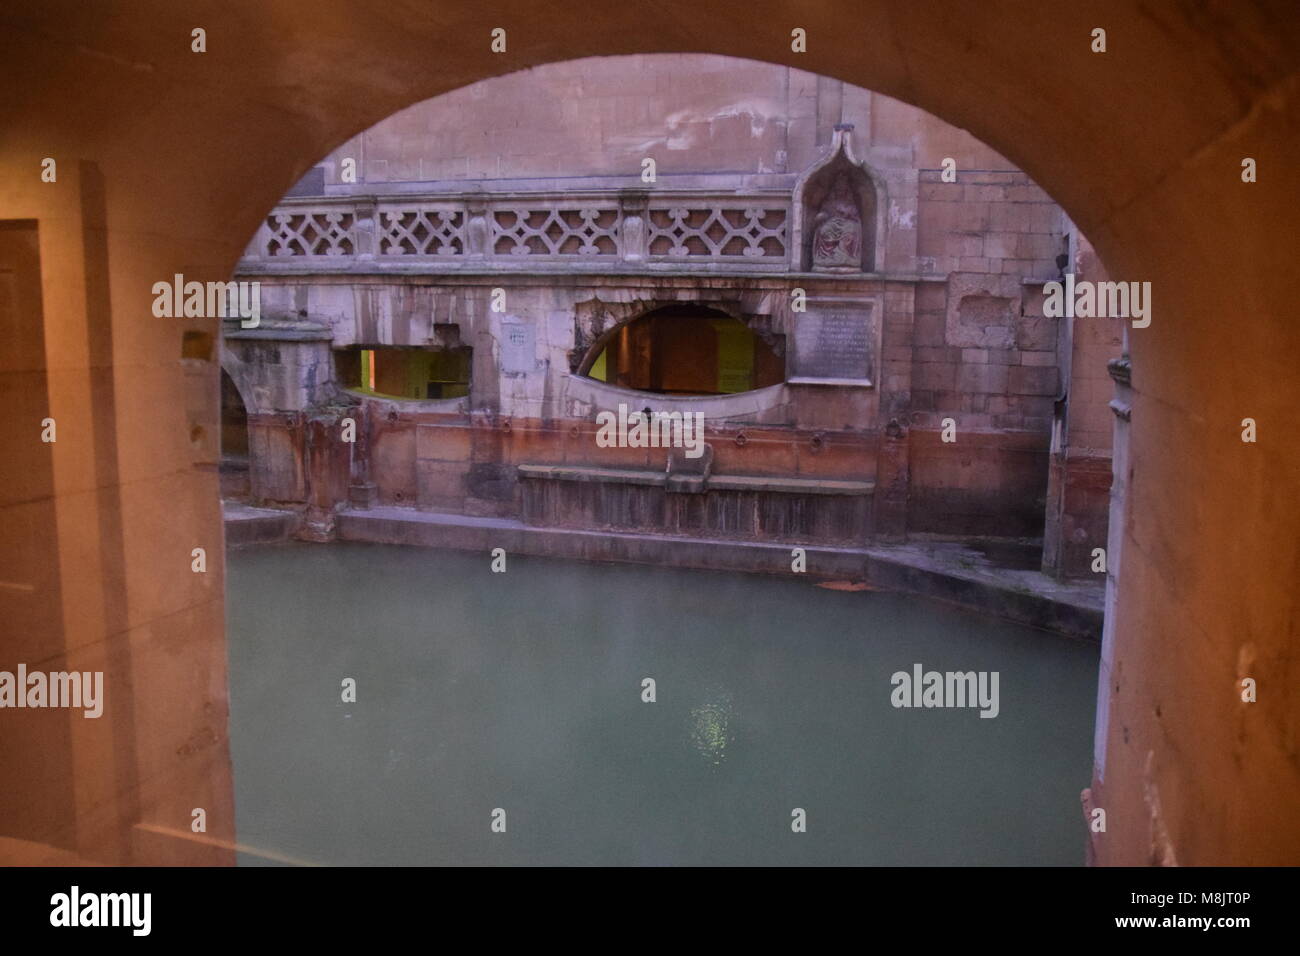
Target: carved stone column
(362, 493)
(633, 234)
(476, 228)
(367, 230)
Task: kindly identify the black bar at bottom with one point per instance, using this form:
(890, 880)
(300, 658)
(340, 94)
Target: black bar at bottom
(261, 905)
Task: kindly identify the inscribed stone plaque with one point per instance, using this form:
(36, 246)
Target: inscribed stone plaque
(518, 348)
(834, 342)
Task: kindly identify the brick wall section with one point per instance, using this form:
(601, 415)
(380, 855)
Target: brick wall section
(986, 484)
(987, 222)
(996, 367)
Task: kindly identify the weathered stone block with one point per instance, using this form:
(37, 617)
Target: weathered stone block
(1038, 358)
(1033, 380)
(1036, 333)
(982, 309)
(928, 329)
(982, 378)
(936, 354)
(443, 442)
(941, 376)
(931, 297)
(1001, 245)
(441, 485)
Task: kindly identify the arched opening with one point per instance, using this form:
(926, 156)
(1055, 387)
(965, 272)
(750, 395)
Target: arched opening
(1156, 182)
(716, 365)
(686, 350)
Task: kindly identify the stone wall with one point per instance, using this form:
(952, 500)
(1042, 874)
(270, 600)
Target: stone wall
(601, 116)
(1146, 154)
(411, 252)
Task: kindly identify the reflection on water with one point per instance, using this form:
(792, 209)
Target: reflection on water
(523, 691)
(710, 726)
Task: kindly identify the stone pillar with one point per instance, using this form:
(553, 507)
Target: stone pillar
(1078, 487)
(1121, 371)
(633, 234)
(367, 230)
(258, 245)
(328, 465)
(362, 493)
(477, 234)
(892, 481)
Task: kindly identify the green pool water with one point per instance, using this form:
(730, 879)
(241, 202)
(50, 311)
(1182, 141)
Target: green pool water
(523, 692)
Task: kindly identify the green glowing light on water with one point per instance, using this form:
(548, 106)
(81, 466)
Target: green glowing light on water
(711, 727)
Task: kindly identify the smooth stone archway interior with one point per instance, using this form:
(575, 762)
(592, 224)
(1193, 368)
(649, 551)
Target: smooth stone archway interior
(167, 159)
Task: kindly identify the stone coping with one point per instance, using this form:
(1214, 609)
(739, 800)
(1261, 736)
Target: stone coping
(754, 483)
(726, 407)
(620, 476)
(838, 382)
(417, 267)
(1025, 598)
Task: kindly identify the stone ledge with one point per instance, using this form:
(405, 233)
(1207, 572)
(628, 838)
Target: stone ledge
(246, 525)
(621, 476)
(1052, 609)
(755, 483)
(791, 486)
(837, 382)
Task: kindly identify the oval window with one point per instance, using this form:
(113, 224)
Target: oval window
(687, 350)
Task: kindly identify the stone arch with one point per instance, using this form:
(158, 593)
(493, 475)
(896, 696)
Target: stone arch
(241, 377)
(1142, 145)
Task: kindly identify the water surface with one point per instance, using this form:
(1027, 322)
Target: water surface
(522, 691)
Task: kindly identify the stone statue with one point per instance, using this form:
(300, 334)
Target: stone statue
(837, 230)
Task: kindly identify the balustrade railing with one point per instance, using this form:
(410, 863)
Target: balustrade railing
(613, 229)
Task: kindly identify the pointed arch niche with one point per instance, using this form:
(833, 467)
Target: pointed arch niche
(838, 228)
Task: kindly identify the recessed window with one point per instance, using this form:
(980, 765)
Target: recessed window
(687, 350)
(234, 421)
(406, 373)
(196, 345)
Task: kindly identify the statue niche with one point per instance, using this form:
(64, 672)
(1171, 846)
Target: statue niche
(836, 203)
(837, 230)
